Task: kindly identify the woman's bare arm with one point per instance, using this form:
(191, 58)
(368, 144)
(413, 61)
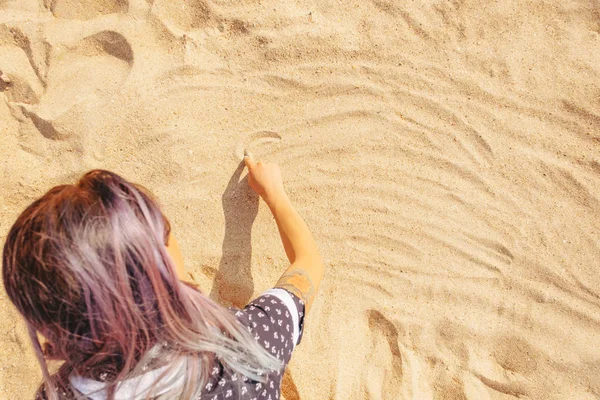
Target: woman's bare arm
(305, 272)
(304, 275)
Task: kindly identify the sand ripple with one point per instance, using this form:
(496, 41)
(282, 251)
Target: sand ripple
(446, 155)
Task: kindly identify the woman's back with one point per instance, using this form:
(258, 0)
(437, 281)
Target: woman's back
(89, 268)
(275, 319)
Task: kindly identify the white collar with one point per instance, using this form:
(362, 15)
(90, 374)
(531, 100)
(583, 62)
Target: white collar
(136, 388)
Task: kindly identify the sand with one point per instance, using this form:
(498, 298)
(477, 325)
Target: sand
(446, 155)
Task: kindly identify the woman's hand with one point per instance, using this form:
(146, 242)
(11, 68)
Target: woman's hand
(265, 180)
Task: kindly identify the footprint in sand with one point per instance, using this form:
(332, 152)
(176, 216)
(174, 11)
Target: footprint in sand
(385, 340)
(94, 65)
(85, 9)
(254, 141)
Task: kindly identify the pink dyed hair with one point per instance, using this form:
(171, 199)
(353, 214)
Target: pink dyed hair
(86, 266)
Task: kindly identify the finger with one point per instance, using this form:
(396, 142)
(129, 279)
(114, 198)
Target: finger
(249, 161)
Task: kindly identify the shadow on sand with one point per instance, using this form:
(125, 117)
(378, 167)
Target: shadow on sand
(233, 285)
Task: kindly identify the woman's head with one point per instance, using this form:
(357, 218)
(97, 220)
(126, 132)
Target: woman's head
(79, 264)
(86, 266)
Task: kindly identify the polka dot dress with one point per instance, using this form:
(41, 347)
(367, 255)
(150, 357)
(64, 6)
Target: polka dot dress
(270, 319)
(275, 320)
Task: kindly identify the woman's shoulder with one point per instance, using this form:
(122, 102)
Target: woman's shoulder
(276, 321)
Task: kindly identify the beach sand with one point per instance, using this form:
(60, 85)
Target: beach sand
(446, 155)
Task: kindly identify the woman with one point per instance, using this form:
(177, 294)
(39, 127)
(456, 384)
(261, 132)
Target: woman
(94, 268)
